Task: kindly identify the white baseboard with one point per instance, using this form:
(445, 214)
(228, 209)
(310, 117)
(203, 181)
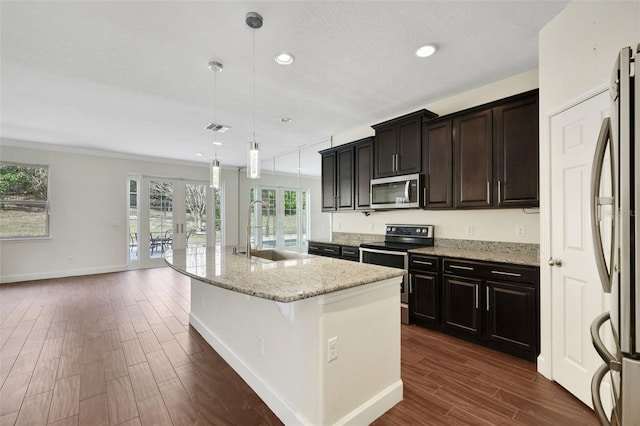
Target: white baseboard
(5, 279)
(543, 367)
(364, 414)
(375, 407)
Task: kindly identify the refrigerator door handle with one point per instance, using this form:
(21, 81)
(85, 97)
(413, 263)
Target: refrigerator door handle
(595, 394)
(612, 362)
(596, 202)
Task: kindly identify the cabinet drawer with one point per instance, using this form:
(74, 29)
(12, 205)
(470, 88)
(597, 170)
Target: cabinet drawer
(462, 267)
(520, 274)
(423, 263)
(492, 271)
(351, 253)
(330, 250)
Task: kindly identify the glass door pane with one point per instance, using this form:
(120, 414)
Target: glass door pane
(133, 220)
(290, 228)
(195, 203)
(268, 216)
(160, 217)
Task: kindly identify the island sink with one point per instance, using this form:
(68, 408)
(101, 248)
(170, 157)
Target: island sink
(274, 255)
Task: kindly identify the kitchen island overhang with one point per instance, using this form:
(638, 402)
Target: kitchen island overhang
(317, 352)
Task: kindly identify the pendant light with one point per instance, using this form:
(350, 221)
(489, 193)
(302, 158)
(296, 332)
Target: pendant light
(214, 178)
(253, 21)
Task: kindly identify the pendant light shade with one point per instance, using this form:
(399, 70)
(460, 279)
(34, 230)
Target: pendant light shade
(214, 167)
(214, 179)
(253, 161)
(253, 21)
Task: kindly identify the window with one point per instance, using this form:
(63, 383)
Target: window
(24, 202)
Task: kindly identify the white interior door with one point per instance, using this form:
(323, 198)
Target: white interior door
(576, 292)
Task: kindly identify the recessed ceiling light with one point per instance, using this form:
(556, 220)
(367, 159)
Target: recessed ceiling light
(217, 143)
(286, 120)
(199, 154)
(284, 59)
(427, 50)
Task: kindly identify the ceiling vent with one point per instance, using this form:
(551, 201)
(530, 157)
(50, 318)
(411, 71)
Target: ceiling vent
(218, 128)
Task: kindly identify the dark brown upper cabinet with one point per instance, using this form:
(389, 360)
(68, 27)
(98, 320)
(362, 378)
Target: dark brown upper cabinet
(495, 154)
(397, 145)
(517, 158)
(363, 173)
(328, 180)
(346, 176)
(437, 164)
(473, 154)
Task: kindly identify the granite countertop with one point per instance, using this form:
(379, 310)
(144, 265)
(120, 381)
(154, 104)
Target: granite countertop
(517, 258)
(283, 281)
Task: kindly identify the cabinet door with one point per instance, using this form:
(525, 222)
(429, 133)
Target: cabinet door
(385, 151)
(424, 296)
(461, 307)
(516, 136)
(409, 148)
(473, 152)
(344, 179)
(437, 150)
(329, 181)
(363, 174)
(510, 312)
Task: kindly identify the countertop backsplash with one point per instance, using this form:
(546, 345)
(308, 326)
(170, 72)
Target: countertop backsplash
(355, 239)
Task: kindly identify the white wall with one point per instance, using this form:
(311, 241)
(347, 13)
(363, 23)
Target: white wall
(495, 225)
(88, 221)
(576, 53)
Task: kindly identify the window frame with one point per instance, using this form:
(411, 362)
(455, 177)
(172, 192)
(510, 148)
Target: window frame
(46, 203)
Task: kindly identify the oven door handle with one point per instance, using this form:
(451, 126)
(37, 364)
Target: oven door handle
(393, 253)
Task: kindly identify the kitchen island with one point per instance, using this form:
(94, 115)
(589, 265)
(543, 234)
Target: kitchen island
(318, 339)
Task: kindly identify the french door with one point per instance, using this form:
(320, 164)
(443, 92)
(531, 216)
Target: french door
(166, 214)
(287, 217)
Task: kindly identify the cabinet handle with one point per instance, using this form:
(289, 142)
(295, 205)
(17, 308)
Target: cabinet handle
(410, 284)
(182, 228)
(466, 268)
(393, 163)
(488, 192)
(477, 296)
(329, 250)
(510, 274)
(499, 192)
(487, 290)
(396, 162)
(422, 262)
(424, 194)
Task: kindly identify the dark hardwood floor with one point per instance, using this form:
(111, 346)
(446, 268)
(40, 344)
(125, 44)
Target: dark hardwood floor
(118, 349)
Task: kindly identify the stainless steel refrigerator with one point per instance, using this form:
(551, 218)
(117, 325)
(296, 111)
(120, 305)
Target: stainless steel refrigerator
(615, 187)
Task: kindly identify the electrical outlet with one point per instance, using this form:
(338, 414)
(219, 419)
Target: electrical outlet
(202, 301)
(339, 226)
(519, 230)
(332, 349)
(261, 345)
(469, 229)
(371, 227)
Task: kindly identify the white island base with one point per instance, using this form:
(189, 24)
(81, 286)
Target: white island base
(282, 349)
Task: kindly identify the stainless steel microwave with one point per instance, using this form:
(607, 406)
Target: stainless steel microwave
(397, 192)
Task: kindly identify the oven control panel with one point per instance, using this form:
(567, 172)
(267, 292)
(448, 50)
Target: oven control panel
(423, 231)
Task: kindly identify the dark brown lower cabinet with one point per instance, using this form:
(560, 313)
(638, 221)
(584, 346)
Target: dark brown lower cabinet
(509, 311)
(461, 306)
(425, 295)
(492, 304)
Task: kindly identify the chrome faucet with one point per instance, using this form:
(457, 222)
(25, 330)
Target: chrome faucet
(250, 228)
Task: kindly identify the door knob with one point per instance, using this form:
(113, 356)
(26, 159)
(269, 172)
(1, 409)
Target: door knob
(554, 262)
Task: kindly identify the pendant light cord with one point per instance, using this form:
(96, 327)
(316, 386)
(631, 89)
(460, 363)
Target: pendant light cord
(215, 112)
(254, 85)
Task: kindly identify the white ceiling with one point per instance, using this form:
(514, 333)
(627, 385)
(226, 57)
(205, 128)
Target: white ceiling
(132, 76)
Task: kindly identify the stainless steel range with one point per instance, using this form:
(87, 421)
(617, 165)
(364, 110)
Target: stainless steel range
(393, 252)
